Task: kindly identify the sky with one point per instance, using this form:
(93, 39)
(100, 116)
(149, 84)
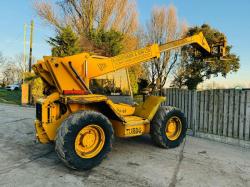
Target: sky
(229, 16)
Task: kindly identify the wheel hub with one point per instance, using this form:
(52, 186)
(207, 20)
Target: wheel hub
(89, 141)
(173, 128)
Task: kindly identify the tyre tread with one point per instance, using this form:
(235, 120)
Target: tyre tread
(157, 126)
(64, 132)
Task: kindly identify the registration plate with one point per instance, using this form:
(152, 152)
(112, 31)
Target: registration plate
(134, 131)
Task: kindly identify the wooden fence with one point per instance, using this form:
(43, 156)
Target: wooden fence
(223, 113)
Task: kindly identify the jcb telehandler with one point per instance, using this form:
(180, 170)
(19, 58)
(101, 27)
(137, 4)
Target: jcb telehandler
(83, 124)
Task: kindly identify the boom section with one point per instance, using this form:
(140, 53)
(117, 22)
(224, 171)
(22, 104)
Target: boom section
(198, 39)
(97, 68)
(74, 72)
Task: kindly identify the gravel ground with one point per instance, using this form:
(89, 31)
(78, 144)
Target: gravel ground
(132, 162)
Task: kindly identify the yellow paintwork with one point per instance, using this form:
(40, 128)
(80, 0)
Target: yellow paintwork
(74, 72)
(51, 117)
(120, 109)
(123, 127)
(89, 141)
(198, 39)
(173, 128)
(133, 126)
(89, 66)
(148, 108)
(123, 109)
(40, 133)
(25, 94)
(84, 99)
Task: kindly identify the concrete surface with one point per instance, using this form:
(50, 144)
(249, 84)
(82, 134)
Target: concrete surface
(132, 162)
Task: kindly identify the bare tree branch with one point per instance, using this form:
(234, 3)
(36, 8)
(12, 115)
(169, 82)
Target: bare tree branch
(163, 27)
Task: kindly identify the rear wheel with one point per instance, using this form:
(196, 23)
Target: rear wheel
(168, 127)
(84, 139)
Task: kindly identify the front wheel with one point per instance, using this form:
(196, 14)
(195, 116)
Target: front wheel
(168, 127)
(84, 139)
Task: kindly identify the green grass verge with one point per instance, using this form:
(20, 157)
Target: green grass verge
(10, 97)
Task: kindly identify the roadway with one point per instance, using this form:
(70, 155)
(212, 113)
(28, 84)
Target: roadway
(132, 162)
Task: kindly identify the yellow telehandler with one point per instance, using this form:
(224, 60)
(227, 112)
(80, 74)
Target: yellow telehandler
(83, 124)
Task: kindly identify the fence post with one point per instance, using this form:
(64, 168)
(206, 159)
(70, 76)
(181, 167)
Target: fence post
(194, 110)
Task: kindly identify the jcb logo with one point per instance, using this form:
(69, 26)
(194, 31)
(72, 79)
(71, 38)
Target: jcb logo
(102, 66)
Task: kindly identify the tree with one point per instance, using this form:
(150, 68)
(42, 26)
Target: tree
(13, 69)
(178, 76)
(86, 16)
(11, 74)
(163, 27)
(196, 67)
(1, 67)
(1, 58)
(20, 64)
(108, 43)
(95, 21)
(65, 43)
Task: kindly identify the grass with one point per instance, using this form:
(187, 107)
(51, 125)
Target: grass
(10, 97)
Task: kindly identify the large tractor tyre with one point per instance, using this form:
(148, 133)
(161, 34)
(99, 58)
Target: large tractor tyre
(168, 127)
(84, 139)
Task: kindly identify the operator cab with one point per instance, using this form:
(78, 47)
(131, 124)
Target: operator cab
(115, 85)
